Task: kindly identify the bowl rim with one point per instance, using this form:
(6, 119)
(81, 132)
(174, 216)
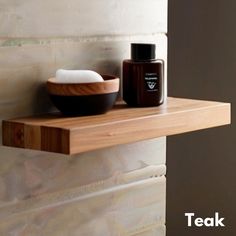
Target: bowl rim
(110, 84)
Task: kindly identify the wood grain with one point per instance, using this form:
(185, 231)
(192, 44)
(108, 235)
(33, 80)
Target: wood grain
(119, 126)
(110, 85)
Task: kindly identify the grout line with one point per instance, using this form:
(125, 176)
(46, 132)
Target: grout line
(18, 42)
(69, 196)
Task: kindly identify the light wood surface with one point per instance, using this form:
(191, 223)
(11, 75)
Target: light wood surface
(54, 133)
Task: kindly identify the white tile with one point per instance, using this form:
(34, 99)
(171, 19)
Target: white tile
(53, 18)
(154, 231)
(125, 210)
(27, 174)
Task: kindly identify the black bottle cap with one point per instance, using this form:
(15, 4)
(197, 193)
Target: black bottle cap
(143, 52)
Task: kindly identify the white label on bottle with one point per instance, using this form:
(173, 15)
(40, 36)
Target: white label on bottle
(151, 81)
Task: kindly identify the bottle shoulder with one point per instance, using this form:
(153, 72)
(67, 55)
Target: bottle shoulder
(157, 61)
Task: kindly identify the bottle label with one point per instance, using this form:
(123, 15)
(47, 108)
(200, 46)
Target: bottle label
(151, 81)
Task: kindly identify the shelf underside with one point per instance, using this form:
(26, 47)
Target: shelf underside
(55, 133)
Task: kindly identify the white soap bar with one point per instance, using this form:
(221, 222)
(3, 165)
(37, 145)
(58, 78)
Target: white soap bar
(77, 76)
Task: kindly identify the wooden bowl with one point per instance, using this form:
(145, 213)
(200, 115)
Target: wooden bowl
(84, 98)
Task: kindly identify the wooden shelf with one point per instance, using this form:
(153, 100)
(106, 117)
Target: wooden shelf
(54, 133)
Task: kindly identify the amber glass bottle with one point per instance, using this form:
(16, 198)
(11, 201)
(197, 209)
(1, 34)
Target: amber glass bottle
(143, 77)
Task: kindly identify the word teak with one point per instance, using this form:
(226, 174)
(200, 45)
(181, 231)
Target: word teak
(208, 222)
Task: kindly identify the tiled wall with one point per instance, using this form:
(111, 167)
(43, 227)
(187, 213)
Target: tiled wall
(106, 192)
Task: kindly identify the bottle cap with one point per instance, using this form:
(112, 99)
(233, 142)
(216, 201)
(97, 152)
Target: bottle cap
(143, 52)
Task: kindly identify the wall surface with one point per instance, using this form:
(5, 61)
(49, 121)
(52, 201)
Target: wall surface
(116, 191)
(202, 64)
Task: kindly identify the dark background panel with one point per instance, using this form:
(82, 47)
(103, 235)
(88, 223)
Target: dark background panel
(202, 165)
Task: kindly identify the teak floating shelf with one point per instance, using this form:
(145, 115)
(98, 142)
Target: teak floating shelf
(55, 133)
